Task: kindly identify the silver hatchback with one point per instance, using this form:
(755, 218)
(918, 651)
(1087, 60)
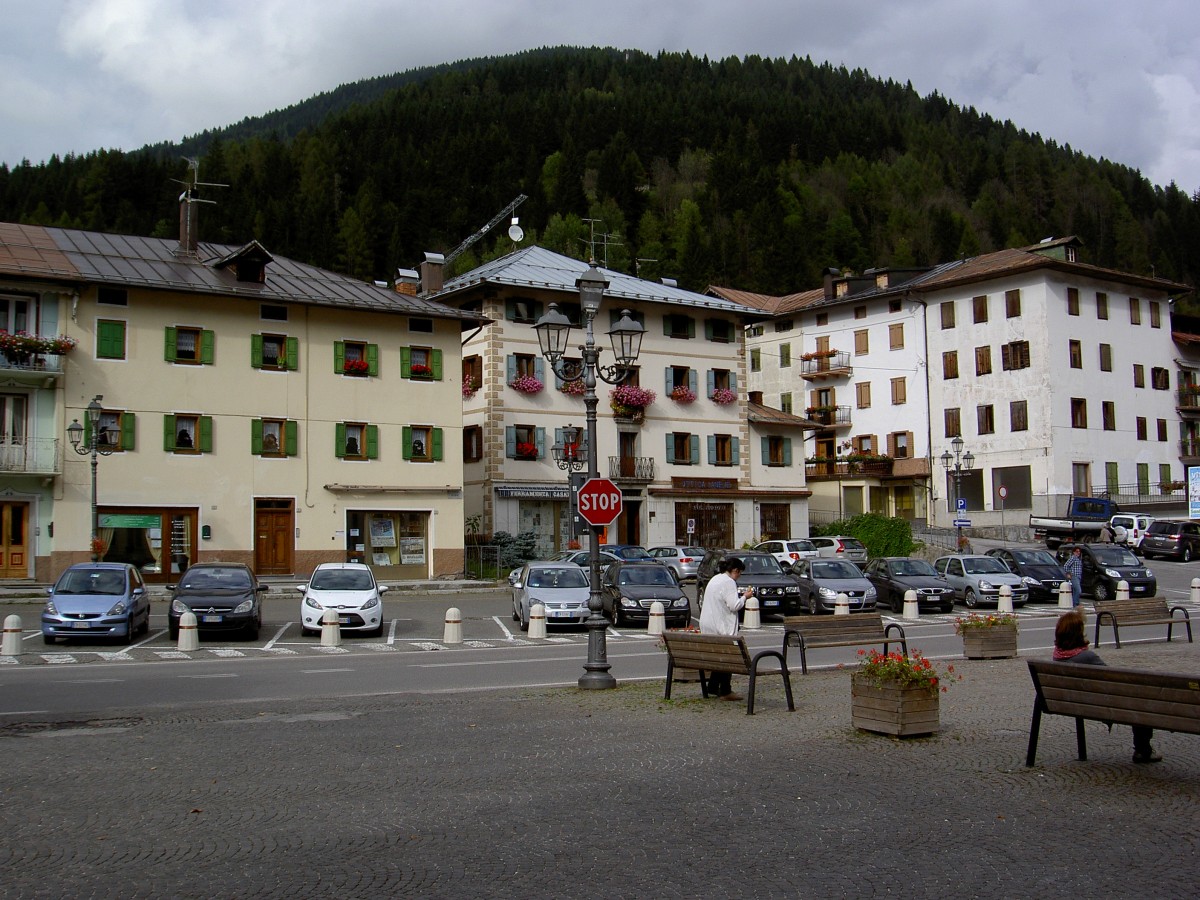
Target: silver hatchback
(684, 560)
(840, 546)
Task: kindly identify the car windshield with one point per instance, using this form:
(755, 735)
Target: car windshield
(91, 581)
(835, 569)
(761, 565)
(557, 578)
(656, 575)
(342, 580)
(800, 546)
(1114, 556)
(215, 577)
(1034, 557)
(907, 567)
(985, 566)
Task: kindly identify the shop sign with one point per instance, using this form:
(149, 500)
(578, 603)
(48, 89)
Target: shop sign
(130, 520)
(704, 484)
(554, 492)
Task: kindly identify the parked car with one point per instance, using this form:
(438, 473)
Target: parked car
(581, 558)
(224, 596)
(978, 578)
(840, 546)
(1106, 564)
(561, 587)
(97, 599)
(348, 588)
(1171, 537)
(625, 551)
(893, 575)
(629, 588)
(1135, 525)
(1037, 568)
(684, 560)
(777, 592)
(790, 551)
(821, 580)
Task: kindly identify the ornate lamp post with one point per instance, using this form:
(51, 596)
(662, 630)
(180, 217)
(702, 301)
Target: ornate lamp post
(956, 465)
(91, 446)
(569, 456)
(554, 333)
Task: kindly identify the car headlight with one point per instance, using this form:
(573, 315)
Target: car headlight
(179, 607)
(869, 593)
(625, 601)
(118, 609)
(1030, 580)
(827, 592)
(51, 609)
(681, 602)
(1112, 573)
(309, 600)
(244, 607)
(1149, 573)
(985, 585)
(371, 604)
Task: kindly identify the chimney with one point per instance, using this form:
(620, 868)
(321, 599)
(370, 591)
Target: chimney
(756, 397)
(407, 282)
(827, 280)
(189, 241)
(431, 273)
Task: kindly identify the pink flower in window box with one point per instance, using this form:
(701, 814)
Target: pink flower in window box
(723, 396)
(526, 384)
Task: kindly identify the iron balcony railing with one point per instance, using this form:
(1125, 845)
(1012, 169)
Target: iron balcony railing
(837, 364)
(1189, 447)
(631, 468)
(33, 456)
(33, 363)
(836, 416)
(828, 468)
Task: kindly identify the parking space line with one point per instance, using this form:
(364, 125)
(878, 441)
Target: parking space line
(391, 638)
(508, 635)
(147, 639)
(271, 643)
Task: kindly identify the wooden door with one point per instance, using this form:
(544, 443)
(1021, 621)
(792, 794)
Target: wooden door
(14, 537)
(273, 540)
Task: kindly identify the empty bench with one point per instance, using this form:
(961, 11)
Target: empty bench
(1110, 695)
(1140, 611)
(856, 630)
(721, 653)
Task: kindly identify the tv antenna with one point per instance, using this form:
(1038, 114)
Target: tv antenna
(603, 238)
(514, 232)
(187, 216)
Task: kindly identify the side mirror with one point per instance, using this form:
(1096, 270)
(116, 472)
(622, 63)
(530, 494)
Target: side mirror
(517, 585)
(302, 588)
(263, 587)
(383, 588)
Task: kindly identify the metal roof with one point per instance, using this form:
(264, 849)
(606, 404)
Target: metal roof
(90, 257)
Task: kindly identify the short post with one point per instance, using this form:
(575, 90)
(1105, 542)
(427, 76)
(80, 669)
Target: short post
(189, 634)
(841, 605)
(537, 620)
(331, 629)
(1195, 595)
(658, 618)
(452, 633)
(1122, 590)
(1065, 599)
(752, 619)
(12, 637)
(1004, 602)
(912, 609)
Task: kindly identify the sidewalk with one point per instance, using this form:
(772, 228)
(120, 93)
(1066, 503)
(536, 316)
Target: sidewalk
(558, 792)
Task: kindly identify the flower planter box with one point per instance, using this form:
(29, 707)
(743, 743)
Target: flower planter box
(891, 709)
(999, 642)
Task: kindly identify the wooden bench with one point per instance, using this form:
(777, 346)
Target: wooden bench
(855, 630)
(1111, 695)
(1140, 611)
(709, 653)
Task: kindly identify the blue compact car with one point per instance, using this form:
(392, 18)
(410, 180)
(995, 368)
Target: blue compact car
(99, 599)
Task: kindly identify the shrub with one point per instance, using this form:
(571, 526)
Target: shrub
(882, 535)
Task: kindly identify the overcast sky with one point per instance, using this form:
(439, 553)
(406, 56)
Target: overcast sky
(1114, 79)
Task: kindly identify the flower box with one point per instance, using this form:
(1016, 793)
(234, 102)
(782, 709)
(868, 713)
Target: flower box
(356, 367)
(420, 371)
(527, 451)
(893, 709)
(526, 384)
(629, 396)
(683, 394)
(999, 642)
(469, 387)
(724, 396)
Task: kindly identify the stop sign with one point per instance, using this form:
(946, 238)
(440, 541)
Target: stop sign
(599, 501)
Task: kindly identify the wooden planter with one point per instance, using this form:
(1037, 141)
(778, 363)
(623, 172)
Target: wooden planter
(999, 642)
(891, 709)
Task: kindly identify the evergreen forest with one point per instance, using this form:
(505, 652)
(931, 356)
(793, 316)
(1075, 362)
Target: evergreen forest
(751, 172)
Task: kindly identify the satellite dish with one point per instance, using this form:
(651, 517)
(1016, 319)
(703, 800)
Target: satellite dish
(515, 233)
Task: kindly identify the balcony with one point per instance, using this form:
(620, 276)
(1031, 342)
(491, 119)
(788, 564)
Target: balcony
(31, 368)
(1187, 400)
(30, 456)
(830, 416)
(1189, 449)
(835, 469)
(836, 364)
(631, 468)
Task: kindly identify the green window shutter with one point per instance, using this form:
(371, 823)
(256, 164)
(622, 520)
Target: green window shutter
(539, 438)
(292, 346)
(168, 433)
(766, 451)
(170, 344)
(206, 434)
(437, 451)
(667, 325)
(510, 442)
(405, 362)
(691, 327)
(694, 449)
(339, 356)
(208, 343)
(291, 437)
(733, 451)
(787, 451)
(372, 441)
(670, 448)
(436, 364)
(256, 430)
(372, 359)
(712, 449)
(339, 440)
(128, 422)
(110, 340)
(406, 442)
(256, 347)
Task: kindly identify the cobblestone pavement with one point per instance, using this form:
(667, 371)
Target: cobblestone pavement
(557, 792)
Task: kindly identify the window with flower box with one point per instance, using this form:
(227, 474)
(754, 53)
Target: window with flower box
(776, 451)
(681, 383)
(683, 449)
(356, 358)
(277, 352)
(722, 450)
(527, 442)
(721, 386)
(472, 373)
(677, 325)
(356, 440)
(187, 433)
(274, 437)
(110, 339)
(900, 444)
(421, 363)
(525, 372)
(190, 346)
(422, 443)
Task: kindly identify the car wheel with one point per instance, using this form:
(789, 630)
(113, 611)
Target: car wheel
(948, 608)
(252, 630)
(1147, 555)
(812, 605)
(173, 631)
(897, 603)
(1186, 556)
(1101, 591)
(49, 639)
(970, 599)
(524, 624)
(130, 633)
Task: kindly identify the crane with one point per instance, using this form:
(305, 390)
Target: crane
(496, 220)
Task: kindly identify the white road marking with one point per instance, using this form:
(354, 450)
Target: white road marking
(31, 634)
(225, 652)
(322, 671)
(478, 644)
(23, 712)
(171, 654)
(331, 649)
(269, 645)
(283, 651)
(120, 656)
(508, 635)
(147, 639)
(93, 681)
(379, 648)
(391, 638)
(58, 659)
(221, 675)
(428, 645)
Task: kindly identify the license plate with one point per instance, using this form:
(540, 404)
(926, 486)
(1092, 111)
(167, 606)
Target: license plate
(343, 621)
(210, 618)
(561, 613)
(1140, 590)
(81, 626)
(770, 603)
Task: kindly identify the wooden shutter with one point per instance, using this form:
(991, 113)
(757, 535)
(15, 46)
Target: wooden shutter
(339, 440)
(406, 362)
(787, 451)
(734, 455)
(208, 345)
(168, 433)
(510, 441)
(539, 438)
(372, 359)
(256, 351)
(170, 343)
(206, 434)
(712, 449)
(127, 430)
(372, 441)
(406, 442)
(710, 382)
(693, 380)
(339, 356)
(256, 434)
(435, 363)
(670, 447)
(438, 451)
(292, 346)
(510, 369)
(694, 449)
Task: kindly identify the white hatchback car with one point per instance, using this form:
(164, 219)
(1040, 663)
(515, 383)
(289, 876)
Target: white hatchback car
(349, 589)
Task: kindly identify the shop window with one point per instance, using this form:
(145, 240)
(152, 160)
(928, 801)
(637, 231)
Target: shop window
(472, 443)
(776, 451)
(356, 440)
(274, 351)
(187, 433)
(273, 437)
(191, 346)
(356, 358)
(110, 339)
(421, 363)
(422, 443)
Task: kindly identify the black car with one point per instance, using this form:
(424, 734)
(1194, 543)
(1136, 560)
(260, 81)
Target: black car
(629, 588)
(893, 575)
(1170, 537)
(1106, 564)
(225, 597)
(777, 591)
(1037, 568)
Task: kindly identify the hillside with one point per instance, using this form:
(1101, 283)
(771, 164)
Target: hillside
(751, 172)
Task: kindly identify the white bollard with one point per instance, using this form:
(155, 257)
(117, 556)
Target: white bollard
(912, 609)
(189, 634)
(841, 605)
(1004, 601)
(331, 629)
(1064, 594)
(12, 637)
(537, 621)
(452, 633)
(752, 618)
(1195, 595)
(1122, 590)
(658, 618)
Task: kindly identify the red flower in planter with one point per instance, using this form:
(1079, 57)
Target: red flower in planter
(420, 371)
(526, 450)
(355, 367)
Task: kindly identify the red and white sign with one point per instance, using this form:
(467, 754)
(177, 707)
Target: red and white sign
(599, 502)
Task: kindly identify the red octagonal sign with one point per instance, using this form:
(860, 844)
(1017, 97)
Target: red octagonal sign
(599, 502)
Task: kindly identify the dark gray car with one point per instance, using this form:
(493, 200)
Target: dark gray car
(224, 597)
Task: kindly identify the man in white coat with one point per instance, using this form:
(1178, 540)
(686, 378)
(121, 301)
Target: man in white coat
(719, 615)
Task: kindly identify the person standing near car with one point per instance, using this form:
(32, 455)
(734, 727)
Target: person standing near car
(719, 615)
(1074, 569)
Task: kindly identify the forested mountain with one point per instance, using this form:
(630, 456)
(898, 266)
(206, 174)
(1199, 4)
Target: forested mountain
(755, 173)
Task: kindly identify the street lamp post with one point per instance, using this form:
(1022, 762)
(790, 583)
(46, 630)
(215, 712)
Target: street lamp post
(554, 333)
(93, 447)
(956, 465)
